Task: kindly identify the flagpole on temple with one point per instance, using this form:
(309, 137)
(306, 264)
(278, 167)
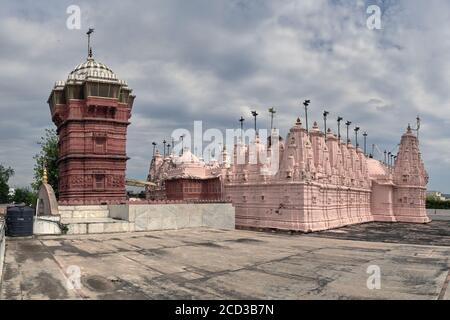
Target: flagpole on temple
(348, 123)
(418, 128)
(339, 119)
(325, 114)
(182, 144)
(365, 143)
(255, 114)
(356, 137)
(173, 144)
(306, 103)
(90, 31)
(164, 143)
(154, 148)
(241, 120)
(272, 112)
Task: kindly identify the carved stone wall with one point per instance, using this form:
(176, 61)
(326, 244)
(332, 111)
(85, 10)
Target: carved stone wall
(323, 184)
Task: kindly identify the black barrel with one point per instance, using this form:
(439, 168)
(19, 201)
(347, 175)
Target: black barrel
(19, 221)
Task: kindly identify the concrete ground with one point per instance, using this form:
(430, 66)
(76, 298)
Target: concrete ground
(436, 233)
(216, 264)
(439, 215)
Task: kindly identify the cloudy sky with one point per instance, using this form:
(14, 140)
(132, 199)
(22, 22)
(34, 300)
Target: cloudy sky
(215, 60)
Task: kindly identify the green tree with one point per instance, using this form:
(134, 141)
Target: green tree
(25, 196)
(48, 156)
(435, 203)
(5, 174)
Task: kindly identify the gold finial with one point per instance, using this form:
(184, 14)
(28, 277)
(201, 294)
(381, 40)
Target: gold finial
(45, 175)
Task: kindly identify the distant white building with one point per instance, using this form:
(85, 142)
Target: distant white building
(436, 194)
(12, 192)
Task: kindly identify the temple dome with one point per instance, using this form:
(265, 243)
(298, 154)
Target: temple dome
(187, 157)
(376, 169)
(92, 70)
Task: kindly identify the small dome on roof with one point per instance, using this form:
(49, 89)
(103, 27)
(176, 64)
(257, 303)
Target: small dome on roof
(376, 168)
(186, 157)
(92, 70)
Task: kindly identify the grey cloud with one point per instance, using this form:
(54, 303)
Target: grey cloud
(216, 60)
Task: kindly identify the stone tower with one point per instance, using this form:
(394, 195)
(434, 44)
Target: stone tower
(410, 180)
(91, 110)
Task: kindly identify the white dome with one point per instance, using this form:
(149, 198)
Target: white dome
(187, 157)
(92, 70)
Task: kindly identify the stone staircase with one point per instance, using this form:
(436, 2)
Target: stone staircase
(91, 219)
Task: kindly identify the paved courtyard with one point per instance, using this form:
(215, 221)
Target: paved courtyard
(216, 264)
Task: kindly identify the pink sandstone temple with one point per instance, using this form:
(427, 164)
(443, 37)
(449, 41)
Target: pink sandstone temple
(186, 177)
(324, 184)
(321, 182)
